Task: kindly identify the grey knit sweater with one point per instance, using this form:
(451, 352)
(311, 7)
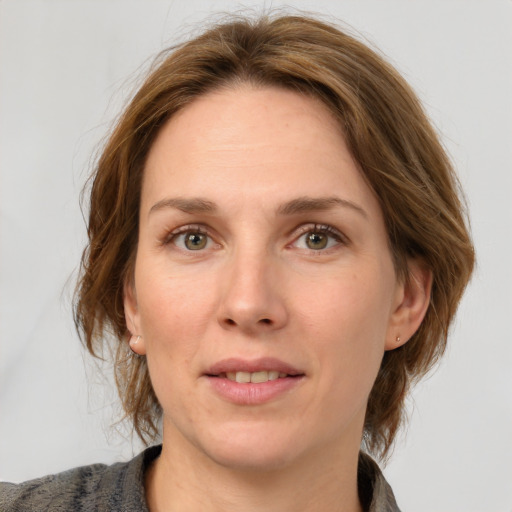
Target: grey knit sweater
(120, 488)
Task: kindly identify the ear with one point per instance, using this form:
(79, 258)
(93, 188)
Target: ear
(411, 303)
(132, 317)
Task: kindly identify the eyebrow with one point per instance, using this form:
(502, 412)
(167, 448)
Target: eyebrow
(295, 206)
(318, 204)
(192, 205)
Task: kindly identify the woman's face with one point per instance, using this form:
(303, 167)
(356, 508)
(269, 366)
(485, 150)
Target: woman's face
(262, 256)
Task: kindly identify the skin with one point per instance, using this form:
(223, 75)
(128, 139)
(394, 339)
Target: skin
(257, 289)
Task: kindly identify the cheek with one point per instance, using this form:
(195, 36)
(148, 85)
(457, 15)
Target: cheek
(169, 299)
(175, 312)
(355, 306)
(174, 315)
(348, 327)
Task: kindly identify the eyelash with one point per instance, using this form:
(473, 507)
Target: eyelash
(192, 229)
(324, 229)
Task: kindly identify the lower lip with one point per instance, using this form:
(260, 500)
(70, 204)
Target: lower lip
(252, 394)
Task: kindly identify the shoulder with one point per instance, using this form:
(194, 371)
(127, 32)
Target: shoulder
(375, 493)
(89, 488)
(68, 490)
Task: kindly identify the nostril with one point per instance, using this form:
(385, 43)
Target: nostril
(246, 323)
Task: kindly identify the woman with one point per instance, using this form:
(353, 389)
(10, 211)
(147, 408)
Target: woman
(277, 244)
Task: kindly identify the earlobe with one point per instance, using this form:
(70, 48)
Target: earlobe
(412, 306)
(132, 318)
(137, 345)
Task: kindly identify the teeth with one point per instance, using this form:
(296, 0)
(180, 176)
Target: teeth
(259, 377)
(255, 377)
(243, 377)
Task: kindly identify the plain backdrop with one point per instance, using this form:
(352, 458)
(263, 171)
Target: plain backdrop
(67, 66)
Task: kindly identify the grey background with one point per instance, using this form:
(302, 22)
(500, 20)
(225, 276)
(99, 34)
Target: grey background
(66, 66)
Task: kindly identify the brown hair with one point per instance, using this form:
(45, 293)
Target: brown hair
(389, 136)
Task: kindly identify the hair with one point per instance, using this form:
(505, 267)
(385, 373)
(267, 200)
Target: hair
(388, 135)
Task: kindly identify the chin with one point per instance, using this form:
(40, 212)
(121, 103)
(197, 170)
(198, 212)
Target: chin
(255, 449)
(252, 459)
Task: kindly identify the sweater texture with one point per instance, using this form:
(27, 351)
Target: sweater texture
(120, 488)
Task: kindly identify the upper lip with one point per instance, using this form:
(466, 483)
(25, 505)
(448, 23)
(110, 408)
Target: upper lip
(243, 365)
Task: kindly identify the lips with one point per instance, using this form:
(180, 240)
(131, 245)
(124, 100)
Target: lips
(252, 382)
(263, 369)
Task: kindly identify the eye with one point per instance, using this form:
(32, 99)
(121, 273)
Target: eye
(318, 238)
(191, 240)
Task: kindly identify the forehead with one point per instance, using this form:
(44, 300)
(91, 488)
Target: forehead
(266, 144)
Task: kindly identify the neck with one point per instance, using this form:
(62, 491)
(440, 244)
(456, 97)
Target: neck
(188, 480)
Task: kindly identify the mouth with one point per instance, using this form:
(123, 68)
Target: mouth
(253, 382)
(256, 377)
(253, 371)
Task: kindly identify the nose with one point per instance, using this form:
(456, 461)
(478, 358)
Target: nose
(252, 298)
